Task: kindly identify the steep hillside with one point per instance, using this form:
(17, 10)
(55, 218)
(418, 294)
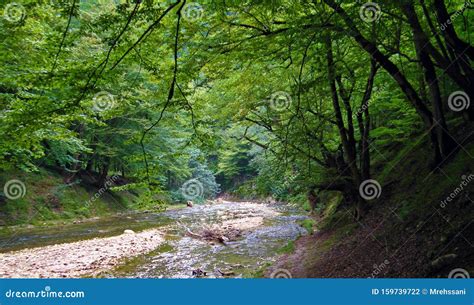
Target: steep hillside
(45, 196)
(420, 226)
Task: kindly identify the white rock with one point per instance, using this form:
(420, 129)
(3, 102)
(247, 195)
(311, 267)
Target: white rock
(128, 232)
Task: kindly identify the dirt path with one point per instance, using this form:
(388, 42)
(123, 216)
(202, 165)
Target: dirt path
(86, 257)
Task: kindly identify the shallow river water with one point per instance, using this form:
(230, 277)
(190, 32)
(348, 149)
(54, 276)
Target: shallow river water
(180, 254)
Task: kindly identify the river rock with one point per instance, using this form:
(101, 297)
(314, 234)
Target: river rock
(128, 232)
(77, 259)
(199, 273)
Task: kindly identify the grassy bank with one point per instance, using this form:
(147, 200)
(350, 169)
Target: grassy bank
(48, 198)
(49, 201)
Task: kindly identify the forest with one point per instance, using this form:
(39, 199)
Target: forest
(340, 133)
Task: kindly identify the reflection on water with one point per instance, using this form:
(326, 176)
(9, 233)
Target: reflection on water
(41, 236)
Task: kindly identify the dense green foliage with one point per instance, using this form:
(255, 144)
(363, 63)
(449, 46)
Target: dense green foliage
(297, 100)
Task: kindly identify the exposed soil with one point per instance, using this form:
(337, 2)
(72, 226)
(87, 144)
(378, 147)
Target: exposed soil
(382, 244)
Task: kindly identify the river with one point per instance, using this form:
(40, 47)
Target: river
(266, 229)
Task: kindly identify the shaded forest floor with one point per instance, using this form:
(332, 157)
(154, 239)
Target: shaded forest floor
(408, 231)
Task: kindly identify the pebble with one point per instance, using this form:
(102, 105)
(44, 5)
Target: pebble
(78, 258)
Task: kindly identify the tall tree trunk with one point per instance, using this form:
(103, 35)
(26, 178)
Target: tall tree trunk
(461, 51)
(351, 142)
(390, 67)
(434, 30)
(385, 62)
(363, 119)
(453, 40)
(444, 141)
(343, 133)
(90, 165)
(76, 166)
(104, 170)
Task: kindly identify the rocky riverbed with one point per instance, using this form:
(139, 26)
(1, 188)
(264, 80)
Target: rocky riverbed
(229, 239)
(86, 257)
